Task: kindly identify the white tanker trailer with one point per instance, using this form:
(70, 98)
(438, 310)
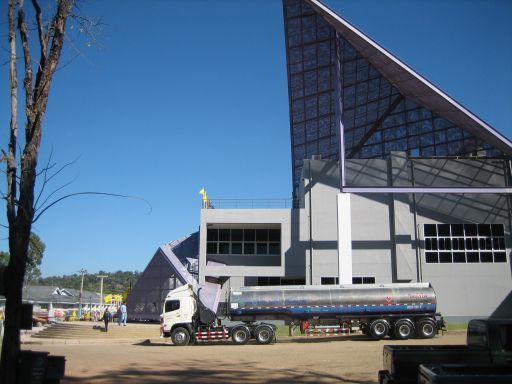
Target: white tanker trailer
(399, 310)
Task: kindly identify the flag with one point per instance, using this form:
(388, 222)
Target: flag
(202, 192)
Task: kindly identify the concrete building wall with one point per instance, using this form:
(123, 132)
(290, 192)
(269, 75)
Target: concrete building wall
(387, 229)
(250, 218)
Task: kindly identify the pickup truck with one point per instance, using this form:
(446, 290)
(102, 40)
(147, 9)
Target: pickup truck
(489, 342)
(465, 374)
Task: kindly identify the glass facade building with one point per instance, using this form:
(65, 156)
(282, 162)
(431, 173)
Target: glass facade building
(331, 82)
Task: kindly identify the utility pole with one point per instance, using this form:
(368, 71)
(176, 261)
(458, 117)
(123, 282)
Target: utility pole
(101, 288)
(83, 271)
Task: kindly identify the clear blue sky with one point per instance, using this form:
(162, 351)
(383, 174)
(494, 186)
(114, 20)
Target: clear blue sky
(186, 94)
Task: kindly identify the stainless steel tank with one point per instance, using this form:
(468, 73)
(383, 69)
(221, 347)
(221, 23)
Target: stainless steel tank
(336, 301)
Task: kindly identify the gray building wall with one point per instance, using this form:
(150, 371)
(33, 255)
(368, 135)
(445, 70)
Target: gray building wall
(388, 245)
(387, 229)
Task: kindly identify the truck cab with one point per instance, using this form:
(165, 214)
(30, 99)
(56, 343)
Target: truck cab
(180, 307)
(494, 335)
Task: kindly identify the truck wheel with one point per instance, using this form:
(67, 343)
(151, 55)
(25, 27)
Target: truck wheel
(180, 336)
(403, 329)
(379, 329)
(264, 334)
(240, 335)
(427, 329)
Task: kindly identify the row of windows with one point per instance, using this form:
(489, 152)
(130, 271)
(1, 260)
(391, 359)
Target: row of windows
(266, 281)
(271, 281)
(467, 230)
(465, 257)
(355, 280)
(237, 241)
(215, 248)
(465, 243)
(227, 234)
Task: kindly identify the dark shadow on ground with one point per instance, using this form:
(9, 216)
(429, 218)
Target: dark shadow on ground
(194, 372)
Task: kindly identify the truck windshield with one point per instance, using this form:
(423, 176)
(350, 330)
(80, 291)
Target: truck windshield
(477, 334)
(506, 337)
(172, 305)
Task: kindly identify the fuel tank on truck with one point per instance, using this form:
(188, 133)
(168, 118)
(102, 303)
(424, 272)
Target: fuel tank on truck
(333, 301)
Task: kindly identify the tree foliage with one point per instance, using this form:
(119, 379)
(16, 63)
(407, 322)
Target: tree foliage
(116, 282)
(36, 249)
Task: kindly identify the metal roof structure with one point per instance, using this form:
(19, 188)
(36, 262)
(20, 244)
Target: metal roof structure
(411, 83)
(351, 98)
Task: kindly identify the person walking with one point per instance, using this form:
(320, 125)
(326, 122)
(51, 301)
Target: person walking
(107, 316)
(124, 313)
(119, 316)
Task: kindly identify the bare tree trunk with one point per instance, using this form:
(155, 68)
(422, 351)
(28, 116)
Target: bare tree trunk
(20, 204)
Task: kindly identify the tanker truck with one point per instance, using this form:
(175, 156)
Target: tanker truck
(399, 310)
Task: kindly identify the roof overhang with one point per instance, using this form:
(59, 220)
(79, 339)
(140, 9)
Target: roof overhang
(410, 83)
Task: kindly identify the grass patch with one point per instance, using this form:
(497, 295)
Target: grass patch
(282, 330)
(457, 326)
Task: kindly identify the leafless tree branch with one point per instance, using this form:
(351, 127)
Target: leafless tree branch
(90, 193)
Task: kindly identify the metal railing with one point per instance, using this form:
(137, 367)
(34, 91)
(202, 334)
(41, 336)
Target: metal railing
(252, 203)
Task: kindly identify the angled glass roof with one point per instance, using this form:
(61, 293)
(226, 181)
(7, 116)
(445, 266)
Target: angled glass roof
(337, 74)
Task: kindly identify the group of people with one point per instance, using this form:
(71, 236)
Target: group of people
(122, 316)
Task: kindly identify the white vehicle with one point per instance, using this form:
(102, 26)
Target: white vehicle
(399, 310)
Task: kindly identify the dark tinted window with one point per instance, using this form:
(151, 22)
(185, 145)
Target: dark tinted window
(172, 305)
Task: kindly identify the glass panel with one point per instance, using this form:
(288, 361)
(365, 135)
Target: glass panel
(212, 235)
(223, 248)
(472, 257)
(211, 248)
(459, 257)
(236, 248)
(274, 235)
(261, 249)
(262, 235)
(236, 235)
(274, 249)
(431, 257)
(224, 234)
(430, 230)
(249, 234)
(248, 248)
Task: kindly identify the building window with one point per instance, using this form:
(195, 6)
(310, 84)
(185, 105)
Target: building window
(243, 241)
(465, 243)
(363, 280)
(266, 281)
(329, 281)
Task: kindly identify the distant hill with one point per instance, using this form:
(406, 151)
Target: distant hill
(116, 282)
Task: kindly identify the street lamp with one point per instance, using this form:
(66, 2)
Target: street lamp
(101, 288)
(83, 271)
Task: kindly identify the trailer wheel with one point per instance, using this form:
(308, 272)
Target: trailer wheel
(264, 334)
(240, 335)
(180, 336)
(403, 329)
(379, 329)
(427, 329)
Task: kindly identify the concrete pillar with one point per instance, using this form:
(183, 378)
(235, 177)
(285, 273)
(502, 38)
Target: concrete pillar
(344, 239)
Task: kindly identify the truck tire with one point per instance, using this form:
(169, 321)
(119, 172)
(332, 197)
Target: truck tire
(264, 334)
(180, 336)
(403, 329)
(379, 329)
(240, 335)
(426, 329)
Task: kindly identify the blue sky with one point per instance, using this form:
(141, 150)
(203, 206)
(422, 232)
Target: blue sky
(184, 94)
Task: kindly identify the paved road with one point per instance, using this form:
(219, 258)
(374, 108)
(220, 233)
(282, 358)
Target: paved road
(351, 359)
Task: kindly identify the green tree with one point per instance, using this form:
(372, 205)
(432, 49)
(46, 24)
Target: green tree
(36, 250)
(4, 258)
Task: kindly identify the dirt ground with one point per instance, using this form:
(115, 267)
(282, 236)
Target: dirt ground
(349, 359)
